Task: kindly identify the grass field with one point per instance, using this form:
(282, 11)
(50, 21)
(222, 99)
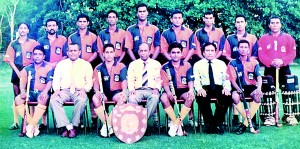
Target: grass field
(270, 137)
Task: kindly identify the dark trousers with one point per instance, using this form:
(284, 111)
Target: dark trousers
(284, 70)
(222, 105)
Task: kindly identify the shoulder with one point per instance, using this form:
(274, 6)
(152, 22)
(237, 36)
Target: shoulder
(61, 37)
(32, 41)
(188, 30)
(153, 26)
(131, 27)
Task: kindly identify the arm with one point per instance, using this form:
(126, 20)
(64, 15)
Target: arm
(121, 57)
(130, 77)
(156, 44)
(189, 55)
(14, 67)
(156, 52)
(92, 57)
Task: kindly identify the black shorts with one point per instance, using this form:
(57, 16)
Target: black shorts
(110, 95)
(249, 89)
(15, 80)
(180, 91)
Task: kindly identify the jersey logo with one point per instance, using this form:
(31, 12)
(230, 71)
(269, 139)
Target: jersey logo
(17, 54)
(28, 55)
(57, 50)
(235, 49)
(136, 38)
(105, 41)
(184, 43)
(118, 46)
(216, 43)
(117, 78)
(183, 80)
(42, 80)
(46, 47)
(88, 49)
(106, 78)
(283, 49)
(149, 40)
(250, 75)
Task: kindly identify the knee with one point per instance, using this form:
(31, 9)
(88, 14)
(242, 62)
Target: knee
(256, 100)
(188, 103)
(165, 101)
(96, 101)
(236, 98)
(19, 101)
(43, 102)
(81, 100)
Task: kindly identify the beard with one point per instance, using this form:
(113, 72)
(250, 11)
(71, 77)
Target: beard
(52, 32)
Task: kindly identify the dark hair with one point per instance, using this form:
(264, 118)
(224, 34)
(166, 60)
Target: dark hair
(273, 17)
(72, 44)
(207, 44)
(39, 47)
(176, 11)
(83, 16)
(140, 5)
(243, 41)
(112, 11)
(208, 12)
(175, 45)
(25, 24)
(107, 46)
(242, 16)
(50, 20)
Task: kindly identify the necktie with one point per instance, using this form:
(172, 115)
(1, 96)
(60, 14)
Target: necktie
(144, 76)
(72, 85)
(211, 76)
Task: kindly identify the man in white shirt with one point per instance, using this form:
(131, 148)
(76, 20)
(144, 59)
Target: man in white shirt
(210, 82)
(71, 81)
(144, 80)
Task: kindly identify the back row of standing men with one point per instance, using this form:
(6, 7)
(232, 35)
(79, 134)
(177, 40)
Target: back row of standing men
(275, 49)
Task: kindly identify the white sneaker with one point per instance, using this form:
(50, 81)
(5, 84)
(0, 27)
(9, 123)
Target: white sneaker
(36, 131)
(29, 131)
(291, 120)
(191, 123)
(270, 121)
(179, 131)
(173, 129)
(103, 130)
(169, 122)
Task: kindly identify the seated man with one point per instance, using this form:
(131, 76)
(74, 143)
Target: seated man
(210, 82)
(144, 80)
(181, 74)
(71, 81)
(40, 85)
(249, 82)
(114, 83)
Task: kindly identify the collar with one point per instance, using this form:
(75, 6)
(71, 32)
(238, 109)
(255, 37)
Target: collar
(114, 64)
(245, 35)
(181, 28)
(107, 30)
(239, 61)
(27, 39)
(42, 65)
(46, 37)
(78, 34)
(270, 33)
(171, 65)
(204, 32)
(137, 24)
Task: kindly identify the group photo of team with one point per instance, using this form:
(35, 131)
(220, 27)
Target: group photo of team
(140, 82)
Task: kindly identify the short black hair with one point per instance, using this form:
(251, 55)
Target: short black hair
(242, 16)
(140, 5)
(72, 44)
(107, 46)
(112, 11)
(51, 20)
(39, 47)
(243, 41)
(273, 17)
(208, 12)
(175, 45)
(24, 24)
(83, 16)
(208, 44)
(176, 11)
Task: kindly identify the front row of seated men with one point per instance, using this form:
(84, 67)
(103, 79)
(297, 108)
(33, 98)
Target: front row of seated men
(74, 77)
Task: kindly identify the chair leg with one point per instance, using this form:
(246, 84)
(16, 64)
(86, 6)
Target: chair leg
(48, 121)
(194, 118)
(158, 112)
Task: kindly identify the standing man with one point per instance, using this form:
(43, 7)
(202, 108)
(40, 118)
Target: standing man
(209, 33)
(114, 35)
(39, 91)
(55, 45)
(71, 81)
(231, 49)
(182, 79)
(114, 83)
(142, 32)
(19, 55)
(247, 69)
(277, 50)
(180, 34)
(144, 82)
(210, 82)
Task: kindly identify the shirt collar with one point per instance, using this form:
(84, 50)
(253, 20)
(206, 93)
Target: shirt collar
(137, 24)
(42, 65)
(56, 35)
(107, 30)
(181, 28)
(270, 33)
(245, 35)
(239, 61)
(78, 34)
(204, 32)
(27, 39)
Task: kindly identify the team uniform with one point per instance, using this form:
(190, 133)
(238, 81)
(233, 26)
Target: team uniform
(20, 54)
(56, 50)
(117, 39)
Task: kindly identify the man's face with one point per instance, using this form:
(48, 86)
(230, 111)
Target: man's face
(23, 30)
(244, 49)
(38, 56)
(109, 54)
(175, 54)
(82, 23)
(208, 20)
(112, 19)
(144, 51)
(73, 52)
(209, 52)
(240, 24)
(177, 20)
(51, 27)
(275, 25)
(142, 13)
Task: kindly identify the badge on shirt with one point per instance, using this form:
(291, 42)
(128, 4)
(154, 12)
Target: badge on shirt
(105, 41)
(106, 78)
(235, 49)
(28, 55)
(17, 54)
(88, 49)
(183, 43)
(42, 80)
(117, 78)
(250, 75)
(149, 40)
(57, 50)
(118, 45)
(183, 80)
(240, 74)
(136, 38)
(283, 49)
(46, 47)
(215, 42)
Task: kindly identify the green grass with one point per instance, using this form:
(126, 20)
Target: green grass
(270, 137)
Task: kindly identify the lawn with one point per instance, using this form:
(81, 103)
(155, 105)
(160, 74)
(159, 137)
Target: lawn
(270, 137)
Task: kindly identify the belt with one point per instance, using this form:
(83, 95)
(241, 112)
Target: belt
(144, 88)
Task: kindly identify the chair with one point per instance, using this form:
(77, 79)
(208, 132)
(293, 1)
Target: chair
(144, 103)
(84, 116)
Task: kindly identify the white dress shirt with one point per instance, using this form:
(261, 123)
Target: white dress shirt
(82, 76)
(135, 70)
(201, 74)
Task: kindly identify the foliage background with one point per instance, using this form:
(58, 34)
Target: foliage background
(36, 12)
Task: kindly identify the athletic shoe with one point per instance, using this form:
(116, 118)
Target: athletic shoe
(169, 122)
(36, 131)
(103, 130)
(179, 131)
(173, 129)
(14, 126)
(291, 120)
(241, 129)
(42, 127)
(191, 123)
(270, 121)
(29, 131)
